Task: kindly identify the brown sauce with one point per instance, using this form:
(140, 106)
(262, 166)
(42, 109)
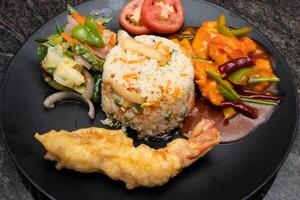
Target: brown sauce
(231, 130)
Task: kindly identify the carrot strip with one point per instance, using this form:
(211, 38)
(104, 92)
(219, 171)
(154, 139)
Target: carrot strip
(167, 88)
(157, 45)
(79, 18)
(131, 76)
(68, 38)
(101, 28)
(168, 53)
(176, 93)
(113, 40)
(150, 104)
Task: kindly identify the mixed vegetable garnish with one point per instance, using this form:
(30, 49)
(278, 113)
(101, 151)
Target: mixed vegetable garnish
(230, 68)
(73, 58)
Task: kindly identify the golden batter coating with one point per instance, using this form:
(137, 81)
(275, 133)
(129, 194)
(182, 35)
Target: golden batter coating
(111, 152)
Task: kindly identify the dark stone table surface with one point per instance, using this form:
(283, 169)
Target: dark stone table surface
(279, 20)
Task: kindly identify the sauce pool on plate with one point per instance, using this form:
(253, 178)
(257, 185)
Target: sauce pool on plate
(231, 130)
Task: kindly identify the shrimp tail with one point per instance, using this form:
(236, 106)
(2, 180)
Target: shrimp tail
(203, 138)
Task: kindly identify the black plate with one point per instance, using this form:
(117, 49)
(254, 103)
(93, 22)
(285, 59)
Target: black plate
(229, 171)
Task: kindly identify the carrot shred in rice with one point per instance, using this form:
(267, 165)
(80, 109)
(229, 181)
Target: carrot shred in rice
(157, 45)
(167, 89)
(168, 53)
(176, 93)
(127, 78)
(151, 104)
(163, 49)
(131, 76)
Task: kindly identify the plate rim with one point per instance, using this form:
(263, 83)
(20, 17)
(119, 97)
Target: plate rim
(290, 76)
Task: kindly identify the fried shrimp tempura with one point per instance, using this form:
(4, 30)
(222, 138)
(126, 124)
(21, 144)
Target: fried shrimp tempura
(111, 152)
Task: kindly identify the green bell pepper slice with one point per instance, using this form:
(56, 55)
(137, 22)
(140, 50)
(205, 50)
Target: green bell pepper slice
(241, 76)
(88, 33)
(241, 32)
(227, 31)
(224, 30)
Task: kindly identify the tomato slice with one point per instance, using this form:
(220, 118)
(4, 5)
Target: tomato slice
(162, 16)
(130, 18)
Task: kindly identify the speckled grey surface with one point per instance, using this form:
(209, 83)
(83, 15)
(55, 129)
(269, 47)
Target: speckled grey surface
(279, 20)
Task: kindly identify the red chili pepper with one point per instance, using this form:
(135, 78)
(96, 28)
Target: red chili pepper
(247, 110)
(261, 96)
(256, 95)
(236, 64)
